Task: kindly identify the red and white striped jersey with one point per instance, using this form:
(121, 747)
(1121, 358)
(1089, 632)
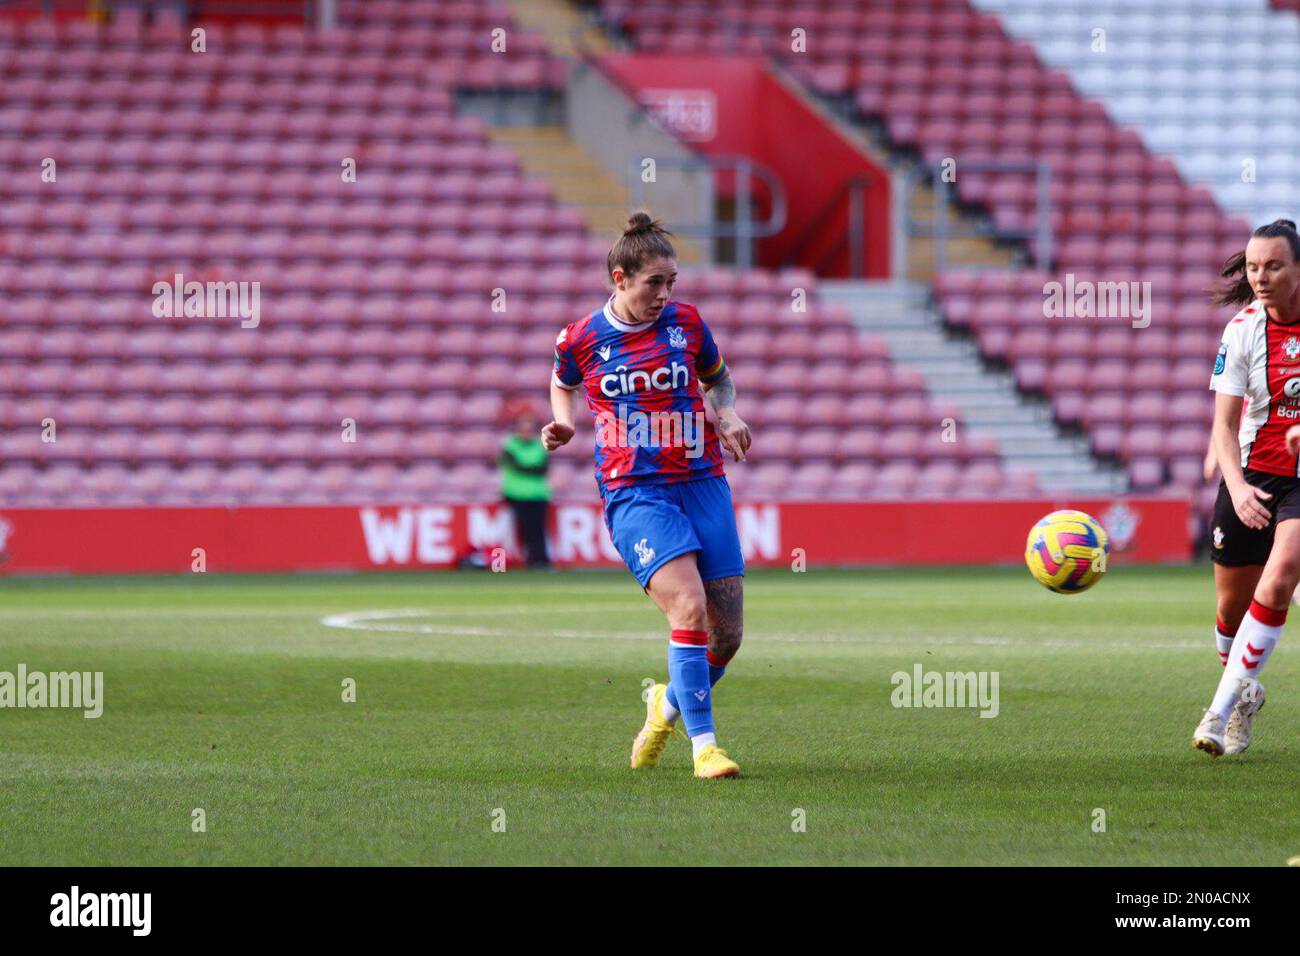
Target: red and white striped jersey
(1260, 359)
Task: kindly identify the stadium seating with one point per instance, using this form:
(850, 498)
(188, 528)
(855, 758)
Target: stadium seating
(374, 294)
(946, 80)
(1202, 80)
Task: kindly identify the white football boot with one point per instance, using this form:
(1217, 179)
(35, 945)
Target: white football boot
(1209, 734)
(1237, 737)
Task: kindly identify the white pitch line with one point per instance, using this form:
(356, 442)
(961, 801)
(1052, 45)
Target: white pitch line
(376, 621)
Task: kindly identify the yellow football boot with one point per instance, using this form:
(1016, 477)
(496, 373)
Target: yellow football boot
(649, 743)
(713, 762)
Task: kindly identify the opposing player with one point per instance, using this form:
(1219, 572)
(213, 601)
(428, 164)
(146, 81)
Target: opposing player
(1255, 534)
(1210, 469)
(1210, 466)
(641, 360)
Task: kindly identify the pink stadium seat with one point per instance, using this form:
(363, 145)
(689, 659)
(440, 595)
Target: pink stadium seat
(179, 411)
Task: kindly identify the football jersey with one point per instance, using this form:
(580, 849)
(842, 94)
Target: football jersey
(642, 384)
(1260, 360)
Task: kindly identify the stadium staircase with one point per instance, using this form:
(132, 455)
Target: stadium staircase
(969, 249)
(565, 29)
(577, 179)
(904, 316)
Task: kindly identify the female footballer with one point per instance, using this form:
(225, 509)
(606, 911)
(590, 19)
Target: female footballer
(641, 360)
(1255, 536)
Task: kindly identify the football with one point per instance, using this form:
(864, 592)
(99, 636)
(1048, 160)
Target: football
(1067, 551)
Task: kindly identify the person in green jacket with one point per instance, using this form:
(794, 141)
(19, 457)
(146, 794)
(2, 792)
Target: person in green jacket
(523, 463)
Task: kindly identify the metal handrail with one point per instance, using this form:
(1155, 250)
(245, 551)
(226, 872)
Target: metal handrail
(744, 229)
(1041, 234)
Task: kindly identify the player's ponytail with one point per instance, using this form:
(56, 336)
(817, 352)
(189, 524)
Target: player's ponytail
(1237, 290)
(643, 239)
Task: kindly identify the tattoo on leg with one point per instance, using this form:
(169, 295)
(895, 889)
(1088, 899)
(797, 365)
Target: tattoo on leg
(725, 604)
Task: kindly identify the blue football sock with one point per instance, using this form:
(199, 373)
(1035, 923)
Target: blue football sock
(688, 669)
(715, 674)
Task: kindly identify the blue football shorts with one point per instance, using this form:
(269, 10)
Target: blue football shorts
(652, 524)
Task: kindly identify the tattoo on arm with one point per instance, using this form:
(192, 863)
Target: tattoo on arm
(724, 599)
(723, 393)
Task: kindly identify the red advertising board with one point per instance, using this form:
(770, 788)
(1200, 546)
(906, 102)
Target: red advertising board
(363, 538)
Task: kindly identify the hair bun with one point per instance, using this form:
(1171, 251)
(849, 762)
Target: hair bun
(640, 222)
(643, 239)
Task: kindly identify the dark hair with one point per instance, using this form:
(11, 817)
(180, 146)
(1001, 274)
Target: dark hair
(1237, 291)
(642, 240)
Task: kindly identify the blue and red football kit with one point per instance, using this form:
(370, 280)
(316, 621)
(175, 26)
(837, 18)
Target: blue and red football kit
(658, 459)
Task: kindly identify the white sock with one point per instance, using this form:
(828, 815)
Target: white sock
(1224, 643)
(700, 741)
(671, 713)
(1251, 649)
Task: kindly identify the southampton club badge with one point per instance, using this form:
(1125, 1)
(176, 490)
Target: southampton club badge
(1121, 523)
(1218, 537)
(1291, 348)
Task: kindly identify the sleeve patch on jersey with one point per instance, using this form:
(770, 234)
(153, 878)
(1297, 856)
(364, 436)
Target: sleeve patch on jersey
(1221, 360)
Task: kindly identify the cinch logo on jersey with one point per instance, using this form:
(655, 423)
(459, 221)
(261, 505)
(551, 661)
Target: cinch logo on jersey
(643, 387)
(666, 378)
(102, 909)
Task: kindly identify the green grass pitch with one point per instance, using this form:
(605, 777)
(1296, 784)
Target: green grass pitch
(513, 699)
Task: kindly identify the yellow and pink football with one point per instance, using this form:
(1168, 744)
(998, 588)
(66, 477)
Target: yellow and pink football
(1067, 551)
